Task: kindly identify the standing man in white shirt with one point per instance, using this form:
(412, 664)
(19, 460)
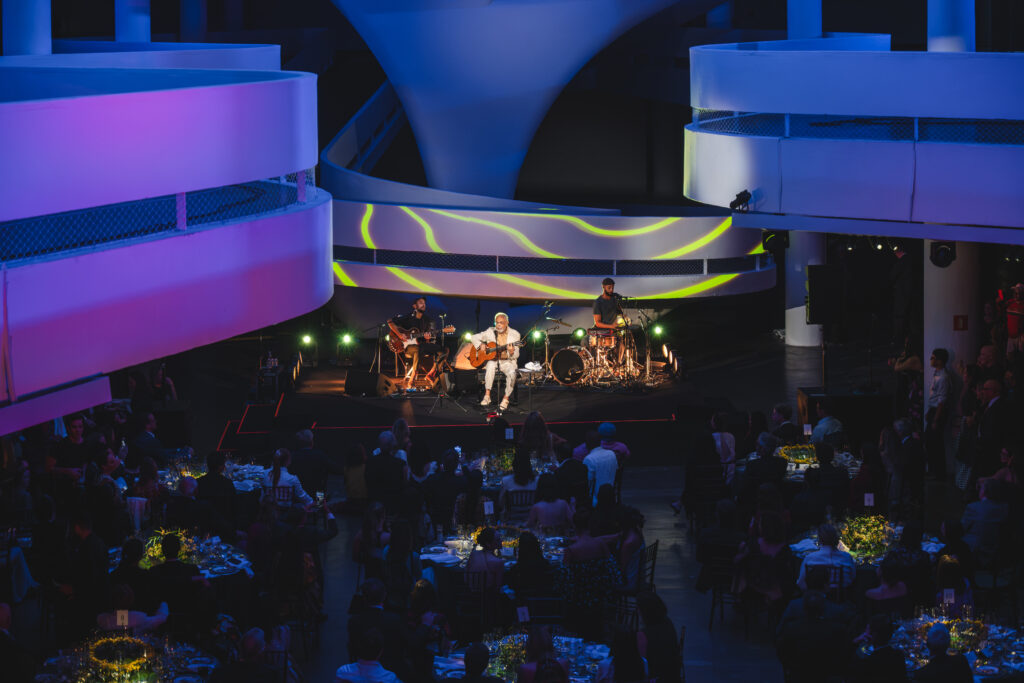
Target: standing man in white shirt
(505, 339)
(936, 415)
(601, 464)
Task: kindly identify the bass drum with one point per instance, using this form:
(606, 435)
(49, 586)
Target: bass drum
(571, 365)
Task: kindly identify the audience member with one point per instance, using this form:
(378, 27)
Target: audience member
(828, 427)
(122, 599)
(550, 511)
(471, 506)
(311, 465)
(368, 667)
(572, 476)
(943, 667)
(658, 640)
(601, 464)
(725, 446)
(839, 562)
(477, 658)
(486, 558)
(391, 642)
(886, 663)
(521, 479)
(782, 424)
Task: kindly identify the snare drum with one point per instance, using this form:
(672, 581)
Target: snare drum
(600, 337)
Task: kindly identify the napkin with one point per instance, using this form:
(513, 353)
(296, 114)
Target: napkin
(449, 664)
(597, 651)
(931, 548)
(441, 558)
(805, 545)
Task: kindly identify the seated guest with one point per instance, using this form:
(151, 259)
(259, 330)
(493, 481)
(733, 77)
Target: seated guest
(891, 587)
(423, 609)
(725, 445)
(766, 467)
(606, 431)
(539, 647)
(536, 440)
(982, 521)
(808, 507)
(885, 664)
(572, 477)
(812, 648)
(951, 533)
(441, 489)
(369, 542)
(949, 576)
(817, 582)
(550, 511)
(477, 658)
(372, 616)
(311, 465)
(914, 564)
(401, 566)
(624, 663)
(631, 545)
(485, 559)
(601, 464)
(123, 600)
(217, 488)
(521, 479)
(184, 511)
(718, 543)
(829, 555)
(763, 567)
(531, 573)
(769, 502)
(174, 581)
(469, 506)
(18, 661)
(550, 670)
(835, 478)
(250, 667)
(942, 666)
(782, 424)
(129, 573)
(604, 521)
(88, 568)
(367, 668)
(280, 478)
(585, 547)
(828, 426)
(658, 640)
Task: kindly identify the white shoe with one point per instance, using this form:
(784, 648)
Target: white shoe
(504, 404)
(486, 401)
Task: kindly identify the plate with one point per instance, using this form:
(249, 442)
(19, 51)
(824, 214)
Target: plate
(987, 670)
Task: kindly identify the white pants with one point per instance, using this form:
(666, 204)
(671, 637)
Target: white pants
(507, 367)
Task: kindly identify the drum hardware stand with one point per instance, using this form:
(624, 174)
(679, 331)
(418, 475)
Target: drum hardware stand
(442, 391)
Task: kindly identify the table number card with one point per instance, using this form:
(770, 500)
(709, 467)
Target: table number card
(948, 596)
(122, 617)
(869, 500)
(488, 507)
(523, 613)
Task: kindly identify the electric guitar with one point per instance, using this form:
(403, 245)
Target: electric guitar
(401, 338)
(488, 351)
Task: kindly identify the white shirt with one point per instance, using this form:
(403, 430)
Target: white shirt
(288, 480)
(939, 392)
(491, 335)
(364, 672)
(826, 425)
(601, 467)
(725, 444)
(829, 557)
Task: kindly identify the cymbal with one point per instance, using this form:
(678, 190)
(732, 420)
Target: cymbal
(556, 320)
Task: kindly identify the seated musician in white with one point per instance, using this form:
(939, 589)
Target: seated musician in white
(504, 337)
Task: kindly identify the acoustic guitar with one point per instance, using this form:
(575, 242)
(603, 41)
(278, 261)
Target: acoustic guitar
(400, 338)
(487, 351)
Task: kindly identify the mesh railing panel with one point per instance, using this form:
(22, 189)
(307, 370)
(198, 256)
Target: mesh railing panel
(660, 267)
(856, 127)
(54, 233)
(972, 131)
(769, 125)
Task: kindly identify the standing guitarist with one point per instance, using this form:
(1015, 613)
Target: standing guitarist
(419, 320)
(504, 337)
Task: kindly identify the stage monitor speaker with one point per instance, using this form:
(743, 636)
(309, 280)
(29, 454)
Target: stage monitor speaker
(824, 294)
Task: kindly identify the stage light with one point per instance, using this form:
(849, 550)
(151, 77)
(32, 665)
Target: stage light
(742, 201)
(664, 350)
(468, 336)
(675, 365)
(658, 329)
(579, 333)
(307, 339)
(346, 339)
(537, 335)
(387, 337)
(670, 356)
(879, 246)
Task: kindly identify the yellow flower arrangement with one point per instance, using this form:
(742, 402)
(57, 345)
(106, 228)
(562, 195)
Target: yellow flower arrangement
(867, 537)
(965, 635)
(118, 654)
(511, 654)
(154, 554)
(799, 455)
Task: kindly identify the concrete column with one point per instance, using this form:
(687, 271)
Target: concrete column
(951, 26)
(28, 28)
(805, 249)
(803, 19)
(193, 21)
(721, 16)
(949, 293)
(131, 21)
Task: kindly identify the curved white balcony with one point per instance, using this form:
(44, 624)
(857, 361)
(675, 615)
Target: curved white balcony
(839, 127)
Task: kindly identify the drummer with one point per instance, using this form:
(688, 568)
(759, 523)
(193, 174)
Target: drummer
(608, 310)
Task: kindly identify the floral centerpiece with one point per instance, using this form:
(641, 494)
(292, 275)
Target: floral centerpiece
(799, 455)
(118, 655)
(507, 654)
(154, 554)
(867, 537)
(500, 462)
(965, 635)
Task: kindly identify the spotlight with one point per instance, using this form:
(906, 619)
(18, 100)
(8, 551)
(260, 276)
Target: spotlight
(579, 333)
(387, 337)
(346, 339)
(670, 356)
(307, 339)
(675, 365)
(943, 253)
(664, 350)
(774, 240)
(658, 329)
(879, 246)
(468, 336)
(742, 201)
(537, 335)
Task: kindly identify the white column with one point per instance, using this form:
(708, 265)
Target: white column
(27, 27)
(803, 19)
(131, 21)
(193, 21)
(948, 293)
(805, 249)
(720, 16)
(951, 26)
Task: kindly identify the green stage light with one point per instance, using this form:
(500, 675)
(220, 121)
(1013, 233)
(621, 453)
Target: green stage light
(537, 334)
(307, 339)
(658, 329)
(579, 333)
(387, 337)
(468, 336)
(346, 339)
